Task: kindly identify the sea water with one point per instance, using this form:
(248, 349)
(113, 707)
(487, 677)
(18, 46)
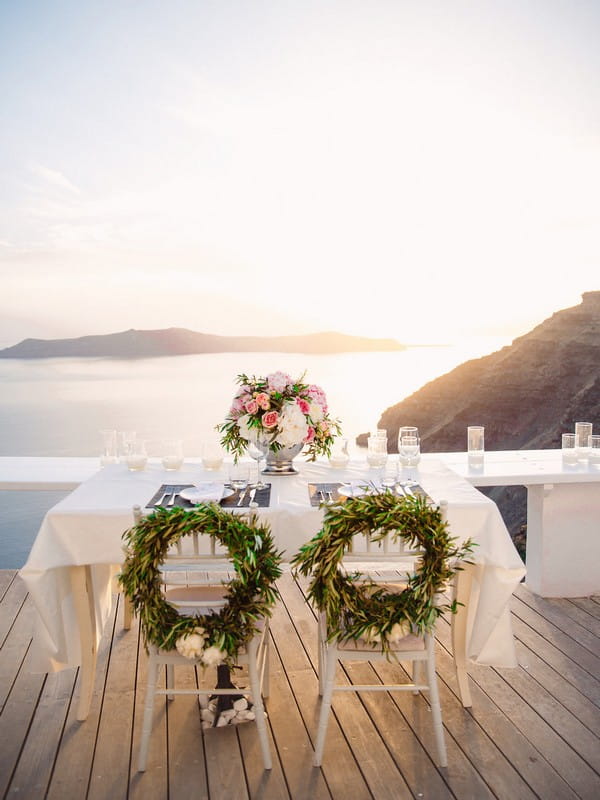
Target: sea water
(58, 406)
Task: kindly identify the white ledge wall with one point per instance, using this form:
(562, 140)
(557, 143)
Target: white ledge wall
(563, 506)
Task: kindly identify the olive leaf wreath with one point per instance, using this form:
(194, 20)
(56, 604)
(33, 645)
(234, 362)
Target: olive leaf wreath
(250, 595)
(355, 610)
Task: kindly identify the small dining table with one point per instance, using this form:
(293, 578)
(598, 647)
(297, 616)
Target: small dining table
(78, 551)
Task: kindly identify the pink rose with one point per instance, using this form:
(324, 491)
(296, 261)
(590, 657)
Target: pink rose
(263, 400)
(251, 406)
(303, 405)
(310, 435)
(270, 419)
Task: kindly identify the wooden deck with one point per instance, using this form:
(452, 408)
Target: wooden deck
(532, 732)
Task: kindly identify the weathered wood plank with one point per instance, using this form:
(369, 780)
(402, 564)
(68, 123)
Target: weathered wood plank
(71, 775)
(589, 604)
(7, 576)
(12, 601)
(533, 731)
(567, 625)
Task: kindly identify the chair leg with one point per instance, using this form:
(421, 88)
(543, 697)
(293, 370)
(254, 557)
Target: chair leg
(461, 591)
(148, 712)
(266, 654)
(170, 680)
(434, 699)
(127, 613)
(329, 681)
(416, 674)
(322, 634)
(259, 709)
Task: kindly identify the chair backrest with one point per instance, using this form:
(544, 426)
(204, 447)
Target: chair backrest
(193, 576)
(382, 558)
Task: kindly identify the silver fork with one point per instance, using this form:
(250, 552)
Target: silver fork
(172, 499)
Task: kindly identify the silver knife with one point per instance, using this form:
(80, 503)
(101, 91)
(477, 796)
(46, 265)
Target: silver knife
(252, 502)
(243, 494)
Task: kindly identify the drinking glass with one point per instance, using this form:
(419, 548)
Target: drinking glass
(583, 431)
(137, 456)
(212, 455)
(407, 430)
(339, 457)
(125, 440)
(475, 443)
(377, 451)
(239, 475)
(594, 450)
(257, 454)
(109, 447)
(172, 454)
(409, 450)
(389, 473)
(569, 448)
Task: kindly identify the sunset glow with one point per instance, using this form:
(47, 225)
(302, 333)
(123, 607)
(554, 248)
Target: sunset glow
(424, 171)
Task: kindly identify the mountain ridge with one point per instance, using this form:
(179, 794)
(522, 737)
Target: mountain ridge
(134, 343)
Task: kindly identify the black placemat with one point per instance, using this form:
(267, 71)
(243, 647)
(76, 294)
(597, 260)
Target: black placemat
(329, 492)
(263, 497)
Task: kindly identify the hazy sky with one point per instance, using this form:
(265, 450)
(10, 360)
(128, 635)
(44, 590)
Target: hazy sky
(422, 170)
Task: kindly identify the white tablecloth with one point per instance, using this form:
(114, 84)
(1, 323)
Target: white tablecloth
(86, 528)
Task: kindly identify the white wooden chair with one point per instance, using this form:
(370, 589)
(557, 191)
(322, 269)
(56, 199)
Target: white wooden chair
(387, 563)
(193, 582)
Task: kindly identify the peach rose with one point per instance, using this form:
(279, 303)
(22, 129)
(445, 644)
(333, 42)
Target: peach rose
(263, 400)
(251, 406)
(270, 419)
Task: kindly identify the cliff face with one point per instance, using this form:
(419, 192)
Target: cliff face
(525, 395)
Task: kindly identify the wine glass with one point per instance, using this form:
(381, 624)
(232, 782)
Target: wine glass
(257, 454)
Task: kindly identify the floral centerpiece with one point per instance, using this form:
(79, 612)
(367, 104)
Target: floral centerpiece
(277, 413)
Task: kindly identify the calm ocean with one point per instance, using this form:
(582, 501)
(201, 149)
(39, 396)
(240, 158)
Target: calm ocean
(56, 407)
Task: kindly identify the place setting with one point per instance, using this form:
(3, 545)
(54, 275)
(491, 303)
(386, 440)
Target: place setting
(228, 495)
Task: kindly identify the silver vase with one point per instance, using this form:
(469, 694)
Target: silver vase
(280, 462)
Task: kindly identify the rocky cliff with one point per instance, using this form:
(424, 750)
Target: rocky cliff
(525, 395)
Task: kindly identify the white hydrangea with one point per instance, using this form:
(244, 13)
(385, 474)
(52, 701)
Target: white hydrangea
(292, 425)
(399, 631)
(316, 412)
(213, 656)
(191, 645)
(246, 432)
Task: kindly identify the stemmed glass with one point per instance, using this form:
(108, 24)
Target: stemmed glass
(257, 454)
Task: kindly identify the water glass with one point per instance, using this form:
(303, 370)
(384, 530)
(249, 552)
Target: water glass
(409, 450)
(569, 448)
(594, 451)
(125, 439)
(109, 447)
(137, 456)
(377, 451)
(338, 458)
(172, 454)
(212, 455)
(583, 431)
(239, 476)
(475, 443)
(389, 473)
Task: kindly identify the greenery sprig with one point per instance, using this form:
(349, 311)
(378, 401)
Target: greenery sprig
(250, 595)
(356, 608)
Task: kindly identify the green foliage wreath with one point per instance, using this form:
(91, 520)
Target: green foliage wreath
(251, 594)
(357, 610)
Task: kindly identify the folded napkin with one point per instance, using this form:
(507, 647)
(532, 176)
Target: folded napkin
(204, 493)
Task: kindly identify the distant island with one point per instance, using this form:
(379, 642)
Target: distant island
(181, 341)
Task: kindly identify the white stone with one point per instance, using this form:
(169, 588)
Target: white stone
(241, 704)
